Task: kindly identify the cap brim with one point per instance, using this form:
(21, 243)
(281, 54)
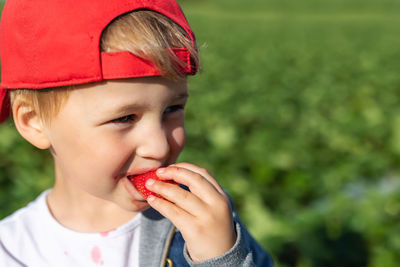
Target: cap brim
(4, 105)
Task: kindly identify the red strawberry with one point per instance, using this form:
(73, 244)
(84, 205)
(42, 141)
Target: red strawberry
(139, 182)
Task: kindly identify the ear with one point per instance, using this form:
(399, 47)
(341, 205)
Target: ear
(29, 124)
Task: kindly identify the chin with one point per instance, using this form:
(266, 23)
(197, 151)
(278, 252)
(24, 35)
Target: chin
(136, 205)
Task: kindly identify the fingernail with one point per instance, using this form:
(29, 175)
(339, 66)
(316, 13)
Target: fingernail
(151, 198)
(161, 170)
(150, 182)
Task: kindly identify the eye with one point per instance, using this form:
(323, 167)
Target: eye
(173, 109)
(125, 119)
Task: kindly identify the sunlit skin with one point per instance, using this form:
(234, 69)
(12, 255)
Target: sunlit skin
(107, 131)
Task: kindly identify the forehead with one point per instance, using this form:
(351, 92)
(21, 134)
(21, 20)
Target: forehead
(114, 93)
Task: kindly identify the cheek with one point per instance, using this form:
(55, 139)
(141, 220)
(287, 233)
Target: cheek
(178, 139)
(108, 154)
(89, 155)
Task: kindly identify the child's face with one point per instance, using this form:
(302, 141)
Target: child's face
(109, 130)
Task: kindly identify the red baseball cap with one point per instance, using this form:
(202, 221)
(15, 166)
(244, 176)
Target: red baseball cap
(51, 43)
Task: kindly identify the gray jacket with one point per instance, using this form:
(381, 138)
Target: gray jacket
(162, 244)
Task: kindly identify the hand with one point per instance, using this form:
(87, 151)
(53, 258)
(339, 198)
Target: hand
(203, 215)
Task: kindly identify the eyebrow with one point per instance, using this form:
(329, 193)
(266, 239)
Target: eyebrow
(136, 106)
(126, 108)
(182, 96)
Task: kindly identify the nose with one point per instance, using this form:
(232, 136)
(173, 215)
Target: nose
(152, 141)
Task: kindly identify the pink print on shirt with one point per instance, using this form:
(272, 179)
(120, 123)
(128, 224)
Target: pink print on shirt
(104, 234)
(96, 255)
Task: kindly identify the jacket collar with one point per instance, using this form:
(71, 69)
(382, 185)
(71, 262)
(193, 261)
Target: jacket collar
(154, 238)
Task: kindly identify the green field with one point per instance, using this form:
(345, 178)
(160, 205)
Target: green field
(297, 112)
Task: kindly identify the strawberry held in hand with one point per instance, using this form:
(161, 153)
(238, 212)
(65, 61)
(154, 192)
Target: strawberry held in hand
(139, 181)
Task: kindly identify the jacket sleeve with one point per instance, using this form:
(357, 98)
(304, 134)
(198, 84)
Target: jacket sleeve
(246, 251)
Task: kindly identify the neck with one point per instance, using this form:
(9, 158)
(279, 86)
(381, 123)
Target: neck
(82, 212)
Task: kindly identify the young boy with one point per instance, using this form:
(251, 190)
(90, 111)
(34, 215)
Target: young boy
(102, 85)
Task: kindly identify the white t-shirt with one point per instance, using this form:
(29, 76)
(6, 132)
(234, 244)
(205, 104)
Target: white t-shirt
(32, 237)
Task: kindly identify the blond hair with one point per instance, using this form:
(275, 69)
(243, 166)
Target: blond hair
(144, 33)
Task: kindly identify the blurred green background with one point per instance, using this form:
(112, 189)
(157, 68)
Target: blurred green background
(297, 113)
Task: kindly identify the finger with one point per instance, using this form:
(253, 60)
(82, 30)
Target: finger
(201, 171)
(180, 197)
(169, 210)
(197, 184)
(206, 175)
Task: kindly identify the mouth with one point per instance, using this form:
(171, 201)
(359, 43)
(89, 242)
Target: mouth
(132, 174)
